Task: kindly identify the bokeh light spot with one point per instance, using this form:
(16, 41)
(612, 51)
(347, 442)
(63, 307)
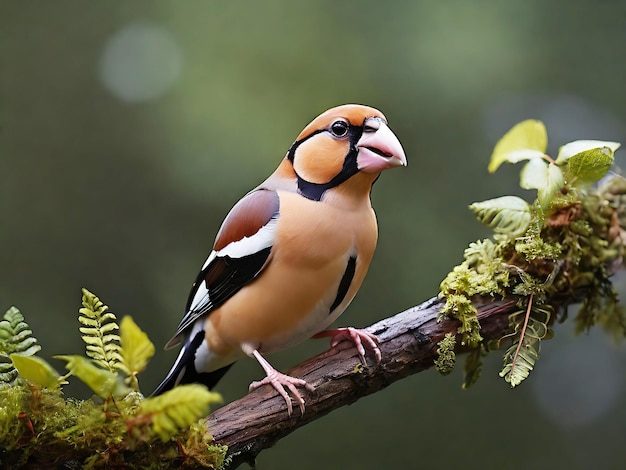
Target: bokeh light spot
(140, 62)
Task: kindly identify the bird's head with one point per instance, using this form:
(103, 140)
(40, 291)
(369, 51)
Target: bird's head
(347, 143)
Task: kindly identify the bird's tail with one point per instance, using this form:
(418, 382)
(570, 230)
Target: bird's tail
(183, 370)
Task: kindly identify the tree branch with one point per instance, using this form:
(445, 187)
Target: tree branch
(408, 342)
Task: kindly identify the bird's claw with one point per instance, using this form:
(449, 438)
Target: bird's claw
(279, 381)
(357, 337)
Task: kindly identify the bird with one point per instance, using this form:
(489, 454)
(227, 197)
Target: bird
(290, 255)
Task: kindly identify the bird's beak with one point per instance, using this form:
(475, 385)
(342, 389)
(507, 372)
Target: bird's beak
(378, 148)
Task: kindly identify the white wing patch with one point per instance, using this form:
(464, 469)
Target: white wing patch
(264, 238)
(208, 260)
(199, 298)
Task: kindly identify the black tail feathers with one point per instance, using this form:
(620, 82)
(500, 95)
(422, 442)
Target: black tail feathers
(183, 371)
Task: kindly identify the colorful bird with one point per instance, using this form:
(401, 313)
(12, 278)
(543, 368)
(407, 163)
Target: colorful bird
(291, 255)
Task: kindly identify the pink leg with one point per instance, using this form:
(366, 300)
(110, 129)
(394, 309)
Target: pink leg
(279, 381)
(358, 337)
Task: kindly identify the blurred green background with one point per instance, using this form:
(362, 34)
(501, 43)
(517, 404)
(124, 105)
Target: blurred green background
(128, 129)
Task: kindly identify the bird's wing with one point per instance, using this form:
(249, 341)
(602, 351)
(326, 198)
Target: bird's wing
(242, 249)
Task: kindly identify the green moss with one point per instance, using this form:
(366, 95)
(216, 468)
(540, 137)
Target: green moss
(533, 247)
(446, 357)
(12, 428)
(482, 273)
(460, 307)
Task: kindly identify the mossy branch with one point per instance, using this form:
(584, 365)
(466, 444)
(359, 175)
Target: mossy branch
(409, 342)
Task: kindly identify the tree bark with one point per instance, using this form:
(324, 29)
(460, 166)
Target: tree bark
(408, 342)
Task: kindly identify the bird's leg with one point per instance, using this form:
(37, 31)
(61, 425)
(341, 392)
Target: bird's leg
(357, 337)
(279, 381)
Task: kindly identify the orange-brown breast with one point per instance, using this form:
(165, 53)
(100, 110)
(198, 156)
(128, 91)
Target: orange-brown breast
(315, 241)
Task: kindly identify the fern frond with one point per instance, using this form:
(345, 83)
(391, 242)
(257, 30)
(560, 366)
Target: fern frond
(530, 327)
(8, 373)
(99, 332)
(17, 338)
(177, 409)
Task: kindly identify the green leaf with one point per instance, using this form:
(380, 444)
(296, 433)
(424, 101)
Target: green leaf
(178, 408)
(507, 214)
(137, 349)
(534, 175)
(555, 182)
(36, 370)
(104, 383)
(527, 140)
(567, 151)
(548, 179)
(590, 165)
(473, 367)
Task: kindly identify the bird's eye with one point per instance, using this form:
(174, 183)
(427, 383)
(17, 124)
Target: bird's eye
(339, 128)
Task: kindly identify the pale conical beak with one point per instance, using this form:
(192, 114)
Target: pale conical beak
(379, 148)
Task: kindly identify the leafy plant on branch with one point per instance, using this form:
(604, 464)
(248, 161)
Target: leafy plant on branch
(545, 253)
(17, 339)
(99, 327)
(120, 427)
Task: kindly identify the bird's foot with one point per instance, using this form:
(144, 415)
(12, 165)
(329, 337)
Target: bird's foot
(279, 381)
(357, 337)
